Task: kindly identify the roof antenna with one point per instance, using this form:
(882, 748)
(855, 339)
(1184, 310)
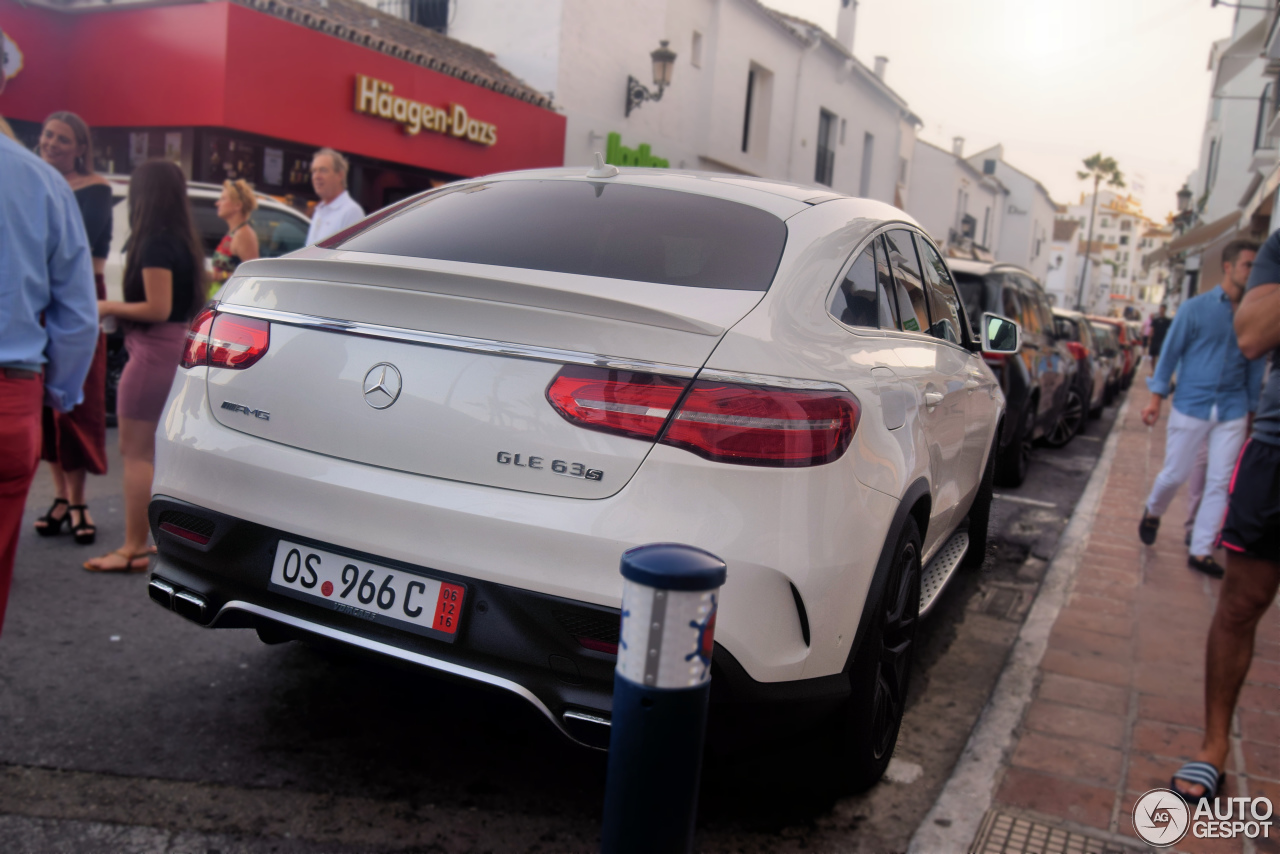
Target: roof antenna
(602, 170)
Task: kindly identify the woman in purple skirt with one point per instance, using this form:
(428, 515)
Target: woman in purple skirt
(164, 287)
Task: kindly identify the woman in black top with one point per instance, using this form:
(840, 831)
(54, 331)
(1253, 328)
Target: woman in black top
(164, 287)
(75, 442)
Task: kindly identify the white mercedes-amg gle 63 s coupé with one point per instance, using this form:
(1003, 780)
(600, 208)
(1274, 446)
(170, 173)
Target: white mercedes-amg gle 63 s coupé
(432, 435)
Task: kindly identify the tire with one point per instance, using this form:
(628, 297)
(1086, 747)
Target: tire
(868, 724)
(980, 516)
(1069, 422)
(1011, 468)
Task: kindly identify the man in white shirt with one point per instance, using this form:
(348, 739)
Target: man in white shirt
(336, 209)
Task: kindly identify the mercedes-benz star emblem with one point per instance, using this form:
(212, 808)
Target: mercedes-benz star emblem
(382, 385)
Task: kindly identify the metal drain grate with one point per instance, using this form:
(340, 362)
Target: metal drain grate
(1002, 833)
(935, 575)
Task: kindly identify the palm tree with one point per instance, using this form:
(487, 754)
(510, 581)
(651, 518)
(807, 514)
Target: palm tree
(1100, 169)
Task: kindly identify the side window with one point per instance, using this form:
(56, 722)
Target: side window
(859, 301)
(278, 233)
(1010, 303)
(885, 279)
(944, 305)
(1030, 317)
(912, 309)
(208, 226)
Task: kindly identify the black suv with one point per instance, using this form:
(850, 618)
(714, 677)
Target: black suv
(1037, 381)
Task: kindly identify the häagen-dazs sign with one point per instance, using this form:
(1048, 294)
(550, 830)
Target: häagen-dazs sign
(375, 98)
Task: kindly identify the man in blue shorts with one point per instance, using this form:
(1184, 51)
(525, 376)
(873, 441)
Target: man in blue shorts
(1250, 535)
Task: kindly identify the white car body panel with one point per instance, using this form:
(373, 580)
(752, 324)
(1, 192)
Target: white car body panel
(820, 528)
(795, 530)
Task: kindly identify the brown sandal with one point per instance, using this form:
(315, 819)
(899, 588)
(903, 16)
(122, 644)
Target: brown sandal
(138, 562)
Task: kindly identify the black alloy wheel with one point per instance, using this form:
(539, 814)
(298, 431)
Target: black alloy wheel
(881, 672)
(1069, 422)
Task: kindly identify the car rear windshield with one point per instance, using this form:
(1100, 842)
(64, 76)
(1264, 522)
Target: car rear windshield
(973, 292)
(617, 231)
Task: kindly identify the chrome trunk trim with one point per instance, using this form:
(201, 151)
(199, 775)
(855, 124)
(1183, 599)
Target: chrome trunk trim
(456, 342)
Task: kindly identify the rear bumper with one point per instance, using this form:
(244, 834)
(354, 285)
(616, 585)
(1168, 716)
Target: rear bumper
(514, 640)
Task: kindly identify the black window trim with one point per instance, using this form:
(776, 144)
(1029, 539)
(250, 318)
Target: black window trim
(877, 332)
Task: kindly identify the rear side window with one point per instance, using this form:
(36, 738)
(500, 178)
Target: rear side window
(1010, 301)
(860, 301)
(617, 231)
(278, 233)
(912, 308)
(210, 228)
(944, 305)
(973, 290)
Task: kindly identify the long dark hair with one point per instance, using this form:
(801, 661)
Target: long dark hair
(158, 204)
(84, 162)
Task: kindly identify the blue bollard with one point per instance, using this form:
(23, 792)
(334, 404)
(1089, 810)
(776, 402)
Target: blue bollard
(660, 692)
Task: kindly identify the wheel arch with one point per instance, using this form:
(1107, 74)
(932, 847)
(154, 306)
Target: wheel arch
(915, 504)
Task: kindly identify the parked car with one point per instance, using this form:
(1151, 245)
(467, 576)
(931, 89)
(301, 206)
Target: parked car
(1129, 347)
(1074, 330)
(432, 439)
(280, 229)
(1037, 382)
(1109, 346)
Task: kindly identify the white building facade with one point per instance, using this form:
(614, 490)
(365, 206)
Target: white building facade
(752, 91)
(1026, 227)
(1123, 236)
(960, 207)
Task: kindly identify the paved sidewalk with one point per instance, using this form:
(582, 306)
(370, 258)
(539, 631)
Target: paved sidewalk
(1118, 700)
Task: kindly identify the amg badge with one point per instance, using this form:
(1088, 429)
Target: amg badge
(559, 467)
(256, 413)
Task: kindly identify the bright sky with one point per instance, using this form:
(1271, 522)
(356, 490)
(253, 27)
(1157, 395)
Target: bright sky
(1054, 81)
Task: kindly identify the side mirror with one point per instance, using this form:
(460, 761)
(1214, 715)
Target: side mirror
(1000, 335)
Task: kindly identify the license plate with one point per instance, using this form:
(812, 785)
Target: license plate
(363, 589)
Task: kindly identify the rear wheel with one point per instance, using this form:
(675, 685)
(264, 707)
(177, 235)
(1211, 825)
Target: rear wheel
(1011, 468)
(1069, 422)
(881, 671)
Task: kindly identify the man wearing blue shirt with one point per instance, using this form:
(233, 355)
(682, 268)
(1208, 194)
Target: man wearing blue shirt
(44, 270)
(1217, 390)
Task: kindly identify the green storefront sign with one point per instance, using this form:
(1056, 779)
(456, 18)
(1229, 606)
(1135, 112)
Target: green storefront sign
(618, 154)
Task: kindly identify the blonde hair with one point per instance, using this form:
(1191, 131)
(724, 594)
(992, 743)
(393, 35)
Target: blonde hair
(242, 191)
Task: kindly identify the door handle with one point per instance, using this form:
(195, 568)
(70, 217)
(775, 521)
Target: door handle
(932, 398)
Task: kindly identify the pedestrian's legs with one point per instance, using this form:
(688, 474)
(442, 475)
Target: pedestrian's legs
(1185, 434)
(1195, 487)
(1247, 592)
(1225, 440)
(20, 402)
(138, 447)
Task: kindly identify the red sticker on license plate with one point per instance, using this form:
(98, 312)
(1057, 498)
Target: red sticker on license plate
(448, 607)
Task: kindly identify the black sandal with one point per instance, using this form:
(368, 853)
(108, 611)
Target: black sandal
(49, 525)
(84, 532)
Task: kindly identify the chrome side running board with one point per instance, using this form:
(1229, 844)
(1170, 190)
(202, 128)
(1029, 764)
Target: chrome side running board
(941, 568)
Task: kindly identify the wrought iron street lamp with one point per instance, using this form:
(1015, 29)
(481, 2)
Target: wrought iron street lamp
(664, 61)
(1184, 199)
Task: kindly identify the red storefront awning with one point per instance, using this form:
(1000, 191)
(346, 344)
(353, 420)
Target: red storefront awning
(226, 66)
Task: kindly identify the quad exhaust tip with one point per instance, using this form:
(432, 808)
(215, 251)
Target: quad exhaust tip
(190, 605)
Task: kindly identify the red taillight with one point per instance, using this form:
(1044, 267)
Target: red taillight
(237, 342)
(994, 359)
(1077, 350)
(196, 351)
(726, 422)
(598, 645)
(615, 401)
(764, 425)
